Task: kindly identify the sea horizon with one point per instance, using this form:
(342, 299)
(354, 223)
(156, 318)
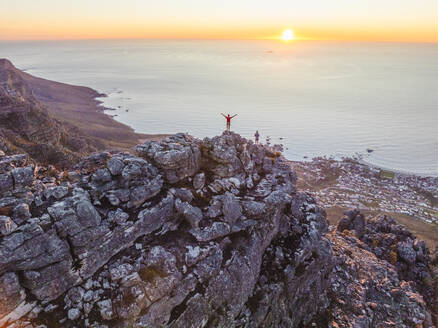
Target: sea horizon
(274, 39)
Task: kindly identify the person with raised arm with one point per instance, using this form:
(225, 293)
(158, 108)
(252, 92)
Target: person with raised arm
(228, 118)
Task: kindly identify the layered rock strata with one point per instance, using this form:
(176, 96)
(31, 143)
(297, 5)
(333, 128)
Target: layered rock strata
(187, 233)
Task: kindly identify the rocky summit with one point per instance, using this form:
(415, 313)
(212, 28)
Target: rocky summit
(195, 233)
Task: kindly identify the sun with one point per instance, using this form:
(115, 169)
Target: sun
(288, 35)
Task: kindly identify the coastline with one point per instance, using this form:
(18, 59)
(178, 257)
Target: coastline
(79, 106)
(83, 108)
(396, 171)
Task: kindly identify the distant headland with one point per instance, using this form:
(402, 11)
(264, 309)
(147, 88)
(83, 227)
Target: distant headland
(55, 122)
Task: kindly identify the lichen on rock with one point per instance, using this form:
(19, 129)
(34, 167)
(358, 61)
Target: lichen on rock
(188, 233)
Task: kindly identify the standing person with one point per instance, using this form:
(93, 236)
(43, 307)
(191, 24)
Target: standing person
(228, 118)
(257, 135)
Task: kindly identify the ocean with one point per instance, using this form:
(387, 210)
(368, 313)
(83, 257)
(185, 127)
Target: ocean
(376, 101)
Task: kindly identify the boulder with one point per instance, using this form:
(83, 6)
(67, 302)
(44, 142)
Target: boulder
(199, 181)
(177, 156)
(7, 226)
(23, 176)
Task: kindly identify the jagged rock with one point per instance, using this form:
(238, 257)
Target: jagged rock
(214, 208)
(23, 176)
(368, 292)
(101, 176)
(199, 181)
(7, 163)
(184, 194)
(120, 271)
(178, 156)
(106, 309)
(353, 220)
(231, 208)
(192, 233)
(28, 123)
(394, 243)
(216, 230)
(7, 226)
(74, 314)
(254, 209)
(118, 216)
(21, 213)
(192, 214)
(74, 297)
(57, 192)
(406, 252)
(6, 182)
(115, 165)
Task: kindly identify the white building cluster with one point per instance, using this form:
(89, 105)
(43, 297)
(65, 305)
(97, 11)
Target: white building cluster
(349, 183)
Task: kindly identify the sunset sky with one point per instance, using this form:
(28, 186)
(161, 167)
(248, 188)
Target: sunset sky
(361, 20)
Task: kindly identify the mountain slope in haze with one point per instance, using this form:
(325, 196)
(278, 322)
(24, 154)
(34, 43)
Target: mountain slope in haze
(55, 123)
(78, 105)
(26, 125)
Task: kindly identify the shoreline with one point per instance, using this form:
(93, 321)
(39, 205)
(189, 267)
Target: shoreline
(370, 165)
(76, 101)
(362, 161)
(150, 137)
(396, 171)
(68, 103)
(81, 107)
(307, 159)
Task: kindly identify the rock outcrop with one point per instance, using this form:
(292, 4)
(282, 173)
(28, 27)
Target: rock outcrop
(389, 241)
(367, 292)
(187, 233)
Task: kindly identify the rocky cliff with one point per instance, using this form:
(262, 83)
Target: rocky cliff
(187, 233)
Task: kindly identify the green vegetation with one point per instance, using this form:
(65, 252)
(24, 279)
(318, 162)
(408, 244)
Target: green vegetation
(150, 273)
(387, 174)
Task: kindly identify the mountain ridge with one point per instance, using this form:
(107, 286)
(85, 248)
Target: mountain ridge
(200, 233)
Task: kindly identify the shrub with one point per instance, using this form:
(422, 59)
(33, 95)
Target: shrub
(393, 257)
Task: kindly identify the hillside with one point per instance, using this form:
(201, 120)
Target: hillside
(53, 122)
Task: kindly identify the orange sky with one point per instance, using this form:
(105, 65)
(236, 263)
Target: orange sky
(358, 20)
